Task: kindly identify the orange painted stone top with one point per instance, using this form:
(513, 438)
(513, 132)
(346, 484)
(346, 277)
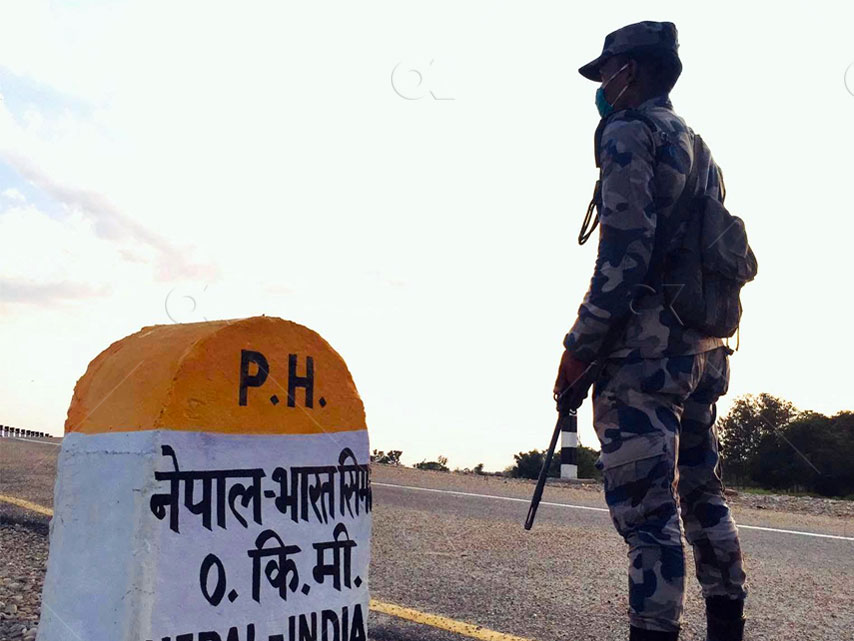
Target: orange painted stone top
(257, 375)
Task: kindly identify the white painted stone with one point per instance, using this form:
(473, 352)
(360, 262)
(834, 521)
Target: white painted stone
(135, 579)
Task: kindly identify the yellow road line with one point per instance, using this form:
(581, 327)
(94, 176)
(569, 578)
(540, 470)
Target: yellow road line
(424, 618)
(459, 627)
(27, 505)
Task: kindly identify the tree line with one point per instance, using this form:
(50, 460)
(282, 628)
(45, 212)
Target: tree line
(767, 442)
(764, 442)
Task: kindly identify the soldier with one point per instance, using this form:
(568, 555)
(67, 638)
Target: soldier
(654, 403)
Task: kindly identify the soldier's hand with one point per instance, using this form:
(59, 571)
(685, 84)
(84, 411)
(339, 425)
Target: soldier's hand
(568, 372)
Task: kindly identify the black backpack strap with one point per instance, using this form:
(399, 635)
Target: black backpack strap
(681, 211)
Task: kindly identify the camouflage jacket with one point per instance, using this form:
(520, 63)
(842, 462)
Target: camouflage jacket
(642, 176)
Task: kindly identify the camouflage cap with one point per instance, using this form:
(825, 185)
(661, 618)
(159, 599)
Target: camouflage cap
(641, 36)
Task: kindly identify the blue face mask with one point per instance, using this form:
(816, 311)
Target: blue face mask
(602, 105)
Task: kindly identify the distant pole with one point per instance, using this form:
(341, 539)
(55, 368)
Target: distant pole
(568, 448)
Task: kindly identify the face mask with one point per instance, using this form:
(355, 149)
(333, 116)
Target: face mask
(602, 105)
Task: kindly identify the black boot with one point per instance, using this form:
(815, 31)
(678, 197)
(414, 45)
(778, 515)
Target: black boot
(639, 634)
(724, 619)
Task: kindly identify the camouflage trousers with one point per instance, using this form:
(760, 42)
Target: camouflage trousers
(655, 421)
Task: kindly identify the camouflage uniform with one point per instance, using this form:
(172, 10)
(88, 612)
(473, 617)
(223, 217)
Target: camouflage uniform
(654, 405)
(654, 418)
(643, 174)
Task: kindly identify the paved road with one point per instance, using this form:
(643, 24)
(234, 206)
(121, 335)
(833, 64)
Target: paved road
(455, 546)
(470, 558)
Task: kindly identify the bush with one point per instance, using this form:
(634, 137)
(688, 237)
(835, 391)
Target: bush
(439, 465)
(587, 457)
(392, 458)
(529, 464)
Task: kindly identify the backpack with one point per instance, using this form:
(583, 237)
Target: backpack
(702, 277)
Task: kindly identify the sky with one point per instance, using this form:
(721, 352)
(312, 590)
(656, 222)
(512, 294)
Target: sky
(168, 162)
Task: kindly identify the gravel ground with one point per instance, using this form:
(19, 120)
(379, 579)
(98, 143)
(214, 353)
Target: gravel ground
(22, 571)
(795, 504)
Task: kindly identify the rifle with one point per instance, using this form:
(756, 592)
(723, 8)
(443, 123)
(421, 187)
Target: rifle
(568, 402)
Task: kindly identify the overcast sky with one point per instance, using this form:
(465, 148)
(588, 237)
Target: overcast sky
(175, 162)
